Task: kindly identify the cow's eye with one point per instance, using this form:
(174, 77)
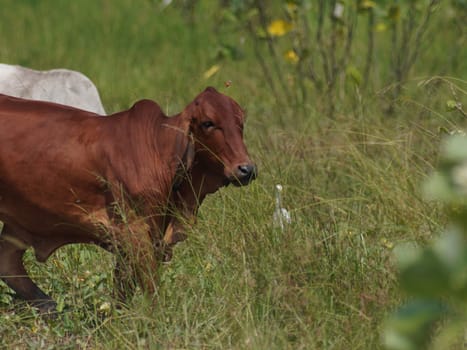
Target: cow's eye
(207, 124)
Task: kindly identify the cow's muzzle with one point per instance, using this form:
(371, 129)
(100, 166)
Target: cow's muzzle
(244, 174)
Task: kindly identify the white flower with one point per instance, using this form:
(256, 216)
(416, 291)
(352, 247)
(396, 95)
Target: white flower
(105, 307)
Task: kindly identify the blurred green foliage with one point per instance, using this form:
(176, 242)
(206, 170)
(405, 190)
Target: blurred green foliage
(435, 277)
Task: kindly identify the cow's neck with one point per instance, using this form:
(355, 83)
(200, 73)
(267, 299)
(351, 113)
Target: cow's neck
(193, 190)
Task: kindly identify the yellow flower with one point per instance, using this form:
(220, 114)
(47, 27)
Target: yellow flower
(291, 56)
(279, 27)
(386, 243)
(380, 27)
(366, 4)
(211, 71)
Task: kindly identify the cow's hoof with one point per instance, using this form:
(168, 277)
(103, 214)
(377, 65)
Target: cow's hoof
(47, 308)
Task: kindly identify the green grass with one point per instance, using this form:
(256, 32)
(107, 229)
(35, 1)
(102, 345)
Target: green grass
(352, 185)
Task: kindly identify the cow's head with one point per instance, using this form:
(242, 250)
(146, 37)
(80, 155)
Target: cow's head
(216, 124)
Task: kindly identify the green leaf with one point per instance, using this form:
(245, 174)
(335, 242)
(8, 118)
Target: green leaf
(411, 325)
(353, 73)
(452, 251)
(426, 276)
(451, 105)
(438, 187)
(60, 304)
(407, 254)
(229, 16)
(454, 149)
(251, 13)
(450, 248)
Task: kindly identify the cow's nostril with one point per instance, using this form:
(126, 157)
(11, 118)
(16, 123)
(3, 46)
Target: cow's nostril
(247, 171)
(244, 170)
(244, 174)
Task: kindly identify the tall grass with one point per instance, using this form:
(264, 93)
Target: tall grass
(351, 183)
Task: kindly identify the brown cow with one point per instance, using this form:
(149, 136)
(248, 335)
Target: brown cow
(118, 182)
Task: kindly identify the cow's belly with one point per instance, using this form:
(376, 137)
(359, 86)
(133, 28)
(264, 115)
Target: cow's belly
(46, 230)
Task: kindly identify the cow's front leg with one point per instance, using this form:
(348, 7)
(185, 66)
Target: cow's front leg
(137, 260)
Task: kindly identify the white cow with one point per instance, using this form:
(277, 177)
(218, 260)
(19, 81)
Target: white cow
(62, 86)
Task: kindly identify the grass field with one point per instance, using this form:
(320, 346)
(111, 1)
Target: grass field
(352, 183)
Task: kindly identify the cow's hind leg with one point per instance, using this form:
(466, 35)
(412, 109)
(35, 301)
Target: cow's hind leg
(12, 271)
